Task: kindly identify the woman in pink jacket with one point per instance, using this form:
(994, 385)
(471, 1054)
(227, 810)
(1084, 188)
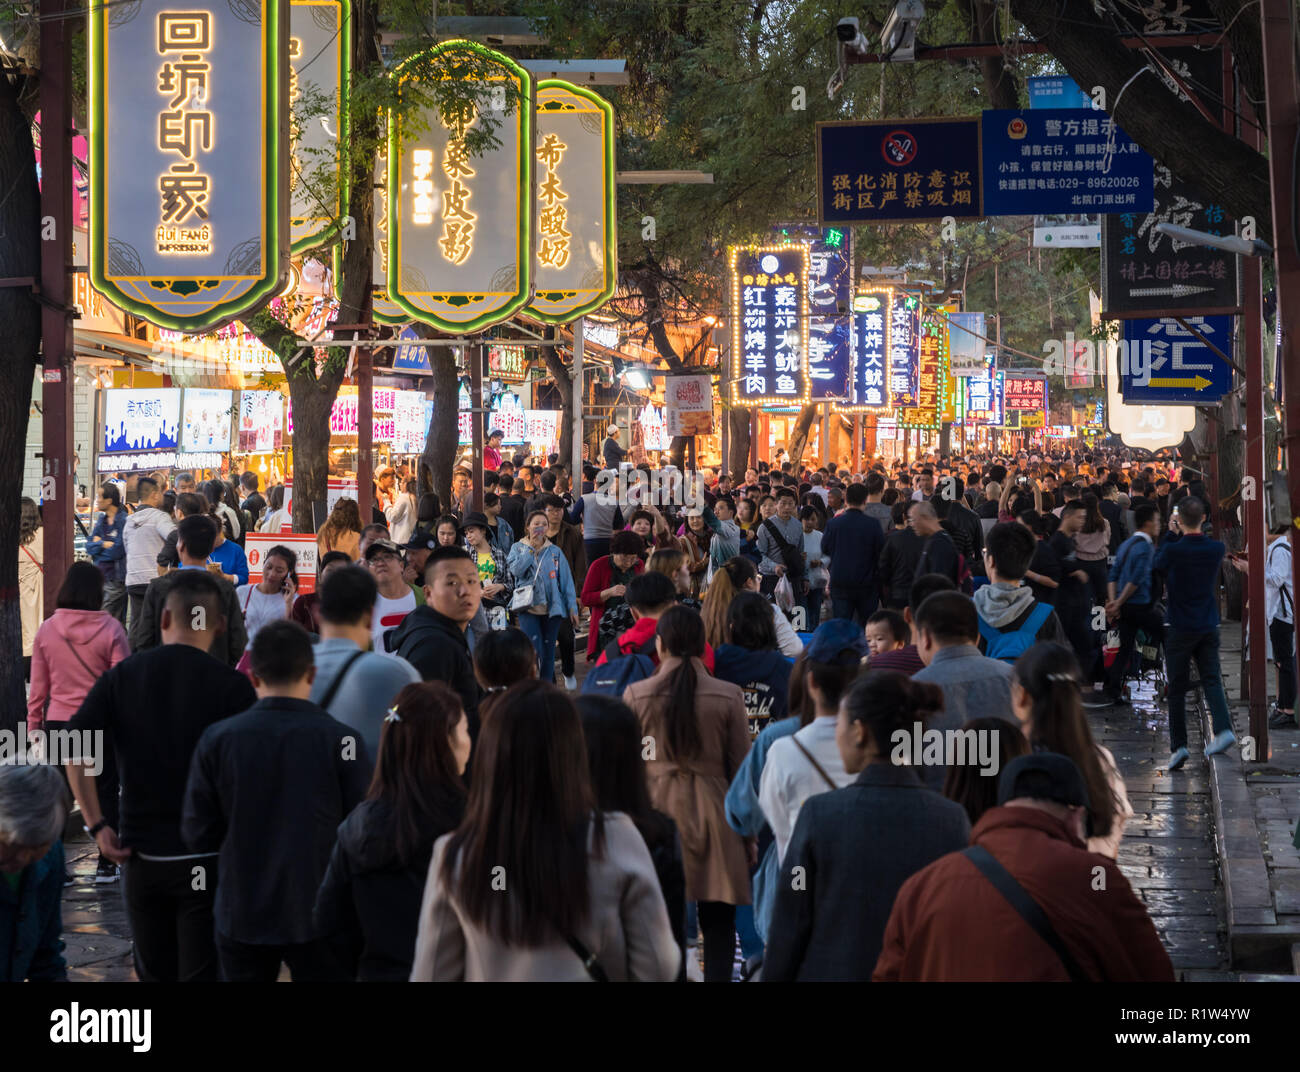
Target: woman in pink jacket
(71, 651)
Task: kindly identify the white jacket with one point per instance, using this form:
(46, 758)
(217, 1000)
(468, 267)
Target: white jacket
(789, 778)
(143, 538)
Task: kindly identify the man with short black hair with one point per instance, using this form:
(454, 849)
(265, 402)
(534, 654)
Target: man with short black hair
(195, 536)
(853, 542)
(253, 501)
(938, 552)
(268, 789)
(1011, 620)
(153, 707)
(780, 542)
(1131, 599)
(649, 596)
(354, 685)
(875, 484)
(512, 503)
(432, 637)
(143, 536)
(946, 629)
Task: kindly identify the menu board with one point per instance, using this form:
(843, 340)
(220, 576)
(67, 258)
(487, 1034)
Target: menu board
(205, 419)
(261, 421)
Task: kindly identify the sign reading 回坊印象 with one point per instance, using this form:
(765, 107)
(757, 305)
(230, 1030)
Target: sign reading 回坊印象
(769, 288)
(1053, 160)
(189, 146)
(320, 68)
(898, 170)
(460, 223)
(1162, 361)
(575, 269)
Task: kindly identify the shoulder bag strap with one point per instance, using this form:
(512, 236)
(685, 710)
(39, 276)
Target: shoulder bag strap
(37, 561)
(588, 959)
(77, 655)
(1029, 909)
(330, 693)
(816, 766)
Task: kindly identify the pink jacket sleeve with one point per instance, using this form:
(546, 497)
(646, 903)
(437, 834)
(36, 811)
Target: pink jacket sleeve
(40, 691)
(119, 647)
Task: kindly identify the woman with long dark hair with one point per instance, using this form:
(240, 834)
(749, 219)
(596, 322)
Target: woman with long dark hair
(368, 906)
(1047, 698)
(31, 575)
(700, 735)
(861, 842)
(1092, 545)
(966, 783)
(751, 660)
(618, 778)
(537, 883)
(739, 574)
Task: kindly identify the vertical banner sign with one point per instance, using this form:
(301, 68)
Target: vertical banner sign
(769, 302)
(1025, 391)
(932, 359)
(966, 344)
(1146, 427)
(460, 225)
(386, 311)
(830, 290)
(575, 269)
(870, 350)
(688, 405)
(189, 118)
(904, 344)
(320, 70)
(950, 397)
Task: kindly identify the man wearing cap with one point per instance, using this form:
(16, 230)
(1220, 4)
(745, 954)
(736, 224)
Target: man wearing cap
(395, 598)
(1027, 902)
(611, 451)
(417, 549)
(492, 452)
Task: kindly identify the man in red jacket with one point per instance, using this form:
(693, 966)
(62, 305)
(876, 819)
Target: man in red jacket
(1077, 918)
(649, 595)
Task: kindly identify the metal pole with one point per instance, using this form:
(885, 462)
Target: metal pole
(57, 346)
(579, 400)
(1283, 119)
(477, 357)
(857, 442)
(365, 434)
(1256, 537)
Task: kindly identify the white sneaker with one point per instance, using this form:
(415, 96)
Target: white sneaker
(571, 683)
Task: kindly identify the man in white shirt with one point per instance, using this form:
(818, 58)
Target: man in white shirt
(809, 762)
(395, 599)
(924, 486)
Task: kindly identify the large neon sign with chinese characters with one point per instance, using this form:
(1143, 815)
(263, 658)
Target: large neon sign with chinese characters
(459, 226)
(188, 153)
(769, 301)
(870, 340)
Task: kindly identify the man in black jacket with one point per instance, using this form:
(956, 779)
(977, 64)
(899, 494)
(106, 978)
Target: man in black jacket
(898, 558)
(194, 540)
(938, 553)
(432, 637)
(960, 522)
(267, 790)
(853, 542)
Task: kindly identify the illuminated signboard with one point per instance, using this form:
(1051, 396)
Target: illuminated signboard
(769, 300)
(1025, 390)
(931, 376)
(983, 402)
(261, 421)
(189, 143)
(870, 338)
(205, 419)
(904, 349)
(575, 269)
(966, 335)
(141, 420)
(460, 225)
(320, 62)
(343, 414)
(386, 311)
(508, 363)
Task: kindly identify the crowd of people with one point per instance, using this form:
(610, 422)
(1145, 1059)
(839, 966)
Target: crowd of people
(399, 775)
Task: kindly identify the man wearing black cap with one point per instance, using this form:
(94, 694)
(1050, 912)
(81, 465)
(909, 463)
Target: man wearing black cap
(417, 549)
(1027, 902)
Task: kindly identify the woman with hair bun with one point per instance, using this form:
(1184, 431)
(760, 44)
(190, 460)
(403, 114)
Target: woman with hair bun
(1047, 698)
(856, 846)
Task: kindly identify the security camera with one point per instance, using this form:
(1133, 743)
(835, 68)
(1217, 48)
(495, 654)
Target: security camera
(848, 29)
(898, 39)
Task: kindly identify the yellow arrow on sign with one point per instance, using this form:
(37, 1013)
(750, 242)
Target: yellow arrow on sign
(1196, 383)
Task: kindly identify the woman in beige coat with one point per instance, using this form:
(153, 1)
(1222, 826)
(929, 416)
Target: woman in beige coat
(697, 738)
(31, 576)
(536, 884)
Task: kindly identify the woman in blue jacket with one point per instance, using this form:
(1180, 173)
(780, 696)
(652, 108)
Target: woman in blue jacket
(538, 564)
(107, 551)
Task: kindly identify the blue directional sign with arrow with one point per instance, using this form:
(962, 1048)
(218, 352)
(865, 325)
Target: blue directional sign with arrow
(1161, 361)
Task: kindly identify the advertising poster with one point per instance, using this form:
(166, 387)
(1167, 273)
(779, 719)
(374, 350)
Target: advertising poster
(137, 419)
(205, 422)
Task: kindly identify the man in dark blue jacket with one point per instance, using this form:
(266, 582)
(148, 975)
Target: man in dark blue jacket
(1131, 596)
(1190, 561)
(853, 542)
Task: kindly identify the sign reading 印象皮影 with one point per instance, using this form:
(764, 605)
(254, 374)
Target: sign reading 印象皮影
(575, 268)
(1054, 160)
(320, 68)
(1162, 361)
(460, 223)
(902, 170)
(189, 223)
(769, 287)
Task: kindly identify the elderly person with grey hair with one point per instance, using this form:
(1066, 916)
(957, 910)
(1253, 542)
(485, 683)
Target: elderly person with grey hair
(34, 803)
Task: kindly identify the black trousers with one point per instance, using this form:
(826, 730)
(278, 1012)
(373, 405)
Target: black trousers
(718, 936)
(171, 920)
(1132, 617)
(309, 962)
(135, 601)
(566, 642)
(1283, 635)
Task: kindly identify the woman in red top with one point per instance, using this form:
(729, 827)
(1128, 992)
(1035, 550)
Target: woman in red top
(607, 579)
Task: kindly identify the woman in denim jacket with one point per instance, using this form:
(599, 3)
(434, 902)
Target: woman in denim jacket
(536, 561)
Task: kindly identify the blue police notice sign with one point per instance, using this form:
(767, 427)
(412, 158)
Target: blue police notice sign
(1161, 361)
(898, 170)
(1062, 160)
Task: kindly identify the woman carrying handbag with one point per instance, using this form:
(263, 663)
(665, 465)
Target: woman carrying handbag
(544, 591)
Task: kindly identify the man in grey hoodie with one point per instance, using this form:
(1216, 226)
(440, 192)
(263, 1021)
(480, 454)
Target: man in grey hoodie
(1011, 619)
(142, 539)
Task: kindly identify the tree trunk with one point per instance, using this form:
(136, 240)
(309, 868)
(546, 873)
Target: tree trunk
(799, 440)
(563, 377)
(312, 401)
(20, 339)
(443, 440)
(1000, 83)
(741, 428)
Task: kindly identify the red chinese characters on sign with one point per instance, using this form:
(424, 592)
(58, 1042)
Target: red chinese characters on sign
(1025, 392)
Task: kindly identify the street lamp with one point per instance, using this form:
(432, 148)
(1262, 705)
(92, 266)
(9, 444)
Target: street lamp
(1242, 247)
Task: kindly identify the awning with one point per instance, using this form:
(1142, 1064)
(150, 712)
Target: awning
(187, 366)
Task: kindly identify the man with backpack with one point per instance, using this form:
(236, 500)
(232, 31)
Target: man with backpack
(1131, 597)
(1011, 620)
(780, 541)
(632, 655)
